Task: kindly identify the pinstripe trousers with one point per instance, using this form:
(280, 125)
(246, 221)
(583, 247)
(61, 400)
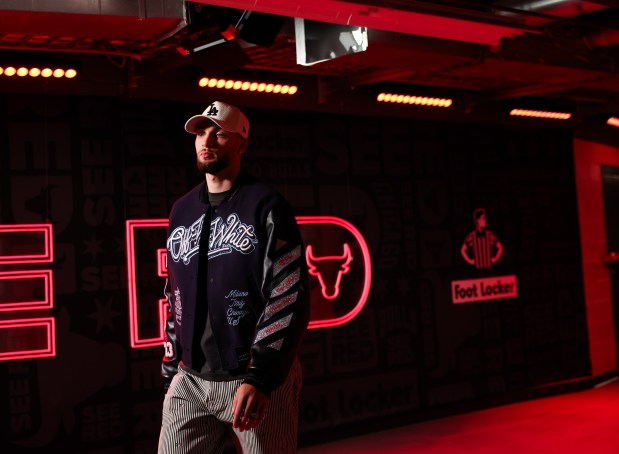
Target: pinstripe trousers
(197, 417)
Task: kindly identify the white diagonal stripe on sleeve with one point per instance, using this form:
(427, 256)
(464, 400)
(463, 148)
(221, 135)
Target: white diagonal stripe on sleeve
(279, 304)
(277, 345)
(287, 283)
(274, 327)
(286, 260)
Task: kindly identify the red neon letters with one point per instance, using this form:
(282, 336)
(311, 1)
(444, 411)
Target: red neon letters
(338, 261)
(137, 339)
(337, 256)
(26, 289)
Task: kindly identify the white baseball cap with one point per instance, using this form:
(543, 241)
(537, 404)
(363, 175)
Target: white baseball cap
(227, 117)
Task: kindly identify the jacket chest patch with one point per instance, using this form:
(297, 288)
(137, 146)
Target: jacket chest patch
(226, 236)
(184, 242)
(231, 235)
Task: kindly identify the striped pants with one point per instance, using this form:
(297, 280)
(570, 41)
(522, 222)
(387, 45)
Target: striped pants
(197, 417)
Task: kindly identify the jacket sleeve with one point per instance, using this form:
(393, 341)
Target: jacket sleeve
(285, 317)
(171, 357)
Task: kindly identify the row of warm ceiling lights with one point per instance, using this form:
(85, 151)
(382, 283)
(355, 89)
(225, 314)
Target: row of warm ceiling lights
(266, 87)
(23, 71)
(427, 101)
(445, 102)
(416, 100)
(611, 121)
(244, 85)
(540, 114)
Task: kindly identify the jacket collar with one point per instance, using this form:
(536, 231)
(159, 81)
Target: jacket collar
(243, 178)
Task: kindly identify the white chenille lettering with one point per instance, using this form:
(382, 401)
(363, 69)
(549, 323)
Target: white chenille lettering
(231, 235)
(184, 242)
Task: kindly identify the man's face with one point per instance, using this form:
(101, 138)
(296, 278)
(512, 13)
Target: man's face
(217, 149)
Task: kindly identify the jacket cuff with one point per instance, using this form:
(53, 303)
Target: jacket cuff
(259, 383)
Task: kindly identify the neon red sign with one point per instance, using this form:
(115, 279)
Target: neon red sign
(26, 289)
(25, 286)
(338, 261)
(337, 255)
(317, 267)
(26, 243)
(159, 258)
(27, 338)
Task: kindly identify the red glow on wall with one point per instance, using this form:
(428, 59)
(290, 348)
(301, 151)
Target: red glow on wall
(26, 289)
(588, 159)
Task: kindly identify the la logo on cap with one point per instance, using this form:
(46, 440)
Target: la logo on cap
(212, 110)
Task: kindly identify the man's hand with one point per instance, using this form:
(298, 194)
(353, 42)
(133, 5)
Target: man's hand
(248, 407)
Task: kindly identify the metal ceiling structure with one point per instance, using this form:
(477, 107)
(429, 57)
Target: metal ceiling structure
(485, 54)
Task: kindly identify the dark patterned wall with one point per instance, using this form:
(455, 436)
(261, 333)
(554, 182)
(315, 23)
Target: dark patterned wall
(410, 187)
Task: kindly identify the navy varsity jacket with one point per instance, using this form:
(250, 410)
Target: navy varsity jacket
(256, 282)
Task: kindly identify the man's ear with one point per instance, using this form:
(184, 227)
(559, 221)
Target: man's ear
(243, 147)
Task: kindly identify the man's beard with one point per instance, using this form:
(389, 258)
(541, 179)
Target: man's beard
(212, 167)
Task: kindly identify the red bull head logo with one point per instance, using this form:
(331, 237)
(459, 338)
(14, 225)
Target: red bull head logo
(329, 270)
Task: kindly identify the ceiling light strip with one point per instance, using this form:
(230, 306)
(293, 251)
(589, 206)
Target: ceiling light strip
(613, 121)
(414, 100)
(541, 114)
(23, 71)
(244, 85)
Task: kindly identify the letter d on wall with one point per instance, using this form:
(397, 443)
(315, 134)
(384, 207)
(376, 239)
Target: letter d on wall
(340, 271)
